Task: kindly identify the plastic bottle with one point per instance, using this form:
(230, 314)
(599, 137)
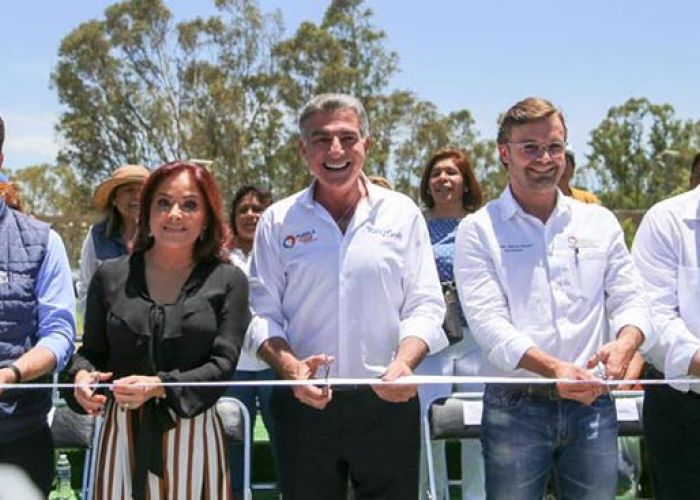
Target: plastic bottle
(64, 490)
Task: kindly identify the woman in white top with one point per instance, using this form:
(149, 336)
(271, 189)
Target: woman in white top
(247, 206)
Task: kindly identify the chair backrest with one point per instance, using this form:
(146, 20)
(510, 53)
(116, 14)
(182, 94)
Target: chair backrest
(231, 414)
(446, 418)
(71, 429)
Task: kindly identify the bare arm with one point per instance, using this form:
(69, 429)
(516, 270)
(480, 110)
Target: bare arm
(32, 364)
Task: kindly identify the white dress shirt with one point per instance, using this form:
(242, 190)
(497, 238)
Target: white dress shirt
(667, 252)
(247, 360)
(562, 286)
(352, 296)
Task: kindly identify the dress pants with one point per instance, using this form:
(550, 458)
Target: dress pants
(357, 435)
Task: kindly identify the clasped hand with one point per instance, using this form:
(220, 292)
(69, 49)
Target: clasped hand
(130, 392)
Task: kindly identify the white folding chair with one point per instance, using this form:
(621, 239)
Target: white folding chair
(458, 417)
(236, 422)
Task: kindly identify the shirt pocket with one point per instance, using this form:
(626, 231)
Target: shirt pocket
(589, 265)
(688, 290)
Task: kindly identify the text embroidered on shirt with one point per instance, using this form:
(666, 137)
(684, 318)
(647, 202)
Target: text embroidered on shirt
(515, 247)
(10, 277)
(386, 233)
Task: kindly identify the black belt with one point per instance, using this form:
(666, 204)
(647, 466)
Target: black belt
(349, 388)
(652, 373)
(543, 391)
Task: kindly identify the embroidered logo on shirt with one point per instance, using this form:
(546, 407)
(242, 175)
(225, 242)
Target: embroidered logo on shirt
(289, 241)
(304, 237)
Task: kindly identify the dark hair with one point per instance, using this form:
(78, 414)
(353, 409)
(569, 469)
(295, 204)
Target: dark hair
(2, 133)
(471, 197)
(695, 161)
(212, 244)
(528, 110)
(265, 198)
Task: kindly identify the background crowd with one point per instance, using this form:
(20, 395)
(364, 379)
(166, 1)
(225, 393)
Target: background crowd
(349, 279)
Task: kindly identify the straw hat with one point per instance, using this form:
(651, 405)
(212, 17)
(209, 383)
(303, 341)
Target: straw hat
(125, 174)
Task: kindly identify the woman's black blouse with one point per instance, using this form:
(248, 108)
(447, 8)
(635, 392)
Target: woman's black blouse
(196, 339)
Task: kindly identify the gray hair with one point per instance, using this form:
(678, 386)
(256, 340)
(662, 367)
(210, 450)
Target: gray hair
(324, 103)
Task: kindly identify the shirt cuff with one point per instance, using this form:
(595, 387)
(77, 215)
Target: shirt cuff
(426, 330)
(261, 329)
(640, 321)
(60, 347)
(507, 355)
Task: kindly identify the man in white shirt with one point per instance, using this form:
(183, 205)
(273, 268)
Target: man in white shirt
(667, 253)
(548, 289)
(344, 284)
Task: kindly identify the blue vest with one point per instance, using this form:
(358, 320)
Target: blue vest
(23, 243)
(105, 247)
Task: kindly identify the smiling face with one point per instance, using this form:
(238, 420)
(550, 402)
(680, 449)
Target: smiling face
(334, 149)
(446, 183)
(246, 217)
(177, 212)
(538, 175)
(126, 200)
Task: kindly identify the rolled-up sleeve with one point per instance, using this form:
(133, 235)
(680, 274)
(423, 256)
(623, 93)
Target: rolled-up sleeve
(267, 285)
(56, 301)
(423, 309)
(483, 299)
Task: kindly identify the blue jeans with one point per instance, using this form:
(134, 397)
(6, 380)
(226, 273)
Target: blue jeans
(251, 397)
(526, 436)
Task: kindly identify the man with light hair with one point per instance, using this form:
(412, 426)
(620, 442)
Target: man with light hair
(549, 290)
(343, 284)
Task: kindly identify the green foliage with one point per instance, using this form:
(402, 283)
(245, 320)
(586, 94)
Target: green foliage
(139, 88)
(629, 227)
(640, 153)
(51, 190)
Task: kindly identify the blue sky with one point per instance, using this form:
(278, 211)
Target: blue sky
(585, 56)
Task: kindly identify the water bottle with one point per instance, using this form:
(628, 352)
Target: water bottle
(63, 490)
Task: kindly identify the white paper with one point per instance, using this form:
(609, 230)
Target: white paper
(627, 410)
(471, 412)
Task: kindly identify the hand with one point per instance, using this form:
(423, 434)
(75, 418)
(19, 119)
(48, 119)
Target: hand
(6, 377)
(316, 397)
(616, 355)
(396, 393)
(131, 393)
(584, 393)
(85, 394)
(634, 372)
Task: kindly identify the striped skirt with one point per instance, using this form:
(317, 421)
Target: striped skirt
(194, 459)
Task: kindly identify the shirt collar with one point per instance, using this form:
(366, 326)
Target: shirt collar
(510, 207)
(692, 210)
(374, 193)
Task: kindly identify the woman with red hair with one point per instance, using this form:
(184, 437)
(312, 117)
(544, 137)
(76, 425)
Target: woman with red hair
(174, 311)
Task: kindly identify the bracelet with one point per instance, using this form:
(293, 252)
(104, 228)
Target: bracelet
(15, 370)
